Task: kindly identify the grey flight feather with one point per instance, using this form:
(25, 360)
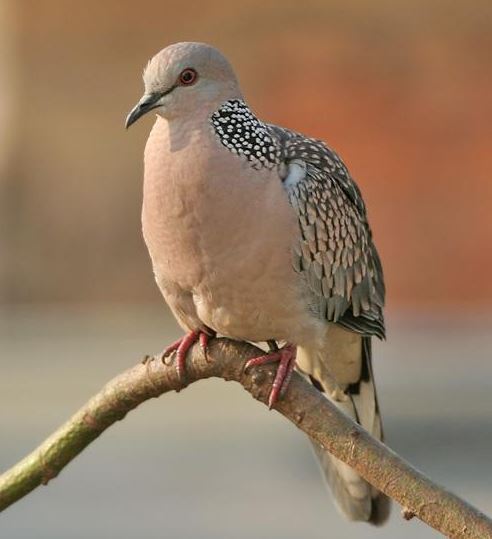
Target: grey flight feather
(357, 499)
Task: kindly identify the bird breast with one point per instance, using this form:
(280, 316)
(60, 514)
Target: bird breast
(218, 228)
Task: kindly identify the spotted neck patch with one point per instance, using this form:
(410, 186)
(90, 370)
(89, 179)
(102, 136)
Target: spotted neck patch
(243, 134)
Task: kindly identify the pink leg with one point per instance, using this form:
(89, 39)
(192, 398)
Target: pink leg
(203, 340)
(181, 347)
(286, 358)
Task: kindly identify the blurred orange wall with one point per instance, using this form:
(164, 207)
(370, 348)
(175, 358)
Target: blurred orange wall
(402, 90)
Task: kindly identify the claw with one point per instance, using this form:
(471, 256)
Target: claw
(171, 348)
(286, 357)
(181, 347)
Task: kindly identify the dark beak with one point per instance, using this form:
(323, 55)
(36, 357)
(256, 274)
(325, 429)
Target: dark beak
(147, 103)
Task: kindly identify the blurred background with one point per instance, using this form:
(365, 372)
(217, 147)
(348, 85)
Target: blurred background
(402, 90)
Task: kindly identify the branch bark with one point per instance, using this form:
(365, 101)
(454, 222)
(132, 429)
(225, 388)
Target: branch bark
(302, 405)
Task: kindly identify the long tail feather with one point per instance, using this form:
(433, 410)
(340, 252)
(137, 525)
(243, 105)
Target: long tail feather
(356, 396)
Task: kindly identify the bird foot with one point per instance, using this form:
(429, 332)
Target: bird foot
(286, 357)
(181, 347)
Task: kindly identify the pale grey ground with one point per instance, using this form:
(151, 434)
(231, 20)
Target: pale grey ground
(211, 462)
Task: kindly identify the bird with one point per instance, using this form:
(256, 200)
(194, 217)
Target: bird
(259, 233)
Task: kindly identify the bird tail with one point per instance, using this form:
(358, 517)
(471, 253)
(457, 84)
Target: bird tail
(350, 385)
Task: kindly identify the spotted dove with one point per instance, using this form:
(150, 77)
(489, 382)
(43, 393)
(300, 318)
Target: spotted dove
(259, 233)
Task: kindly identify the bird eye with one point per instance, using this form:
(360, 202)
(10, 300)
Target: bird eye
(188, 76)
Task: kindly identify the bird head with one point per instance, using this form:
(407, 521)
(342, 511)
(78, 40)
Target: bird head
(183, 79)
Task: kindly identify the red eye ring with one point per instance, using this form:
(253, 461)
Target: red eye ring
(188, 76)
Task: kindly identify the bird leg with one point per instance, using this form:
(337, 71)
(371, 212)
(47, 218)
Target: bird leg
(286, 357)
(203, 339)
(181, 347)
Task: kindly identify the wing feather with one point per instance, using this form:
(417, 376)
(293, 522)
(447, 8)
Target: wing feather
(336, 254)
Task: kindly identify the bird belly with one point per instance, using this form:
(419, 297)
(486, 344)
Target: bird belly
(254, 311)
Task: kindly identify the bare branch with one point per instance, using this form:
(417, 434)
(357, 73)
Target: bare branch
(302, 405)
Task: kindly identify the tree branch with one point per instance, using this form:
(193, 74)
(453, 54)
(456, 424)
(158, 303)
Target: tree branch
(302, 405)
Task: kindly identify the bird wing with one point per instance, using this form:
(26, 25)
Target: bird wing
(335, 253)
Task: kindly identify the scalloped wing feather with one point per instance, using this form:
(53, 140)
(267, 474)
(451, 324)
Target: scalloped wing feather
(335, 254)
